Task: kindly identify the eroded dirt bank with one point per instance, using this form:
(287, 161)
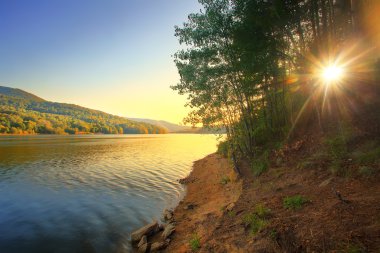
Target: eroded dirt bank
(337, 214)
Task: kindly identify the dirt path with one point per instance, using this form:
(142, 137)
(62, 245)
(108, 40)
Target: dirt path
(211, 186)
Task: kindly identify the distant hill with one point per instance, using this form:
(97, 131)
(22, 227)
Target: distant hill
(24, 113)
(175, 128)
(17, 93)
(170, 127)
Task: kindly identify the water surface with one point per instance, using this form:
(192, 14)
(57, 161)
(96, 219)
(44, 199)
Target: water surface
(87, 193)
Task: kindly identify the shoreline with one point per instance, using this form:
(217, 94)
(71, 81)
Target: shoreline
(212, 188)
(220, 213)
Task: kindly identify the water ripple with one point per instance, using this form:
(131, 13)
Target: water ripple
(75, 193)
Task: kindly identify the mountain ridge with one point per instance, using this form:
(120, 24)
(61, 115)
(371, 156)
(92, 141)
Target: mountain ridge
(22, 112)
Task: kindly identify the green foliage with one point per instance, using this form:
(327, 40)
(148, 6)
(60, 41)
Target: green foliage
(273, 234)
(225, 180)
(240, 64)
(262, 211)
(367, 172)
(195, 243)
(30, 116)
(257, 220)
(223, 147)
(260, 164)
(294, 202)
(254, 222)
(231, 213)
(338, 151)
(367, 156)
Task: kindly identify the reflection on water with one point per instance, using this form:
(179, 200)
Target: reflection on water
(87, 193)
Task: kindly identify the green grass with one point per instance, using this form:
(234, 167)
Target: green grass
(260, 164)
(223, 148)
(262, 211)
(231, 213)
(195, 243)
(254, 222)
(366, 157)
(273, 234)
(367, 172)
(294, 202)
(225, 180)
(257, 220)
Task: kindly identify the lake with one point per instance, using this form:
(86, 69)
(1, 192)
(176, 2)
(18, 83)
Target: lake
(87, 193)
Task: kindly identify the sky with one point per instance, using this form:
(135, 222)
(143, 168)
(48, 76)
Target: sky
(110, 55)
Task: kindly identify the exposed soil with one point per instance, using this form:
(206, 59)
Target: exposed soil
(342, 214)
(208, 194)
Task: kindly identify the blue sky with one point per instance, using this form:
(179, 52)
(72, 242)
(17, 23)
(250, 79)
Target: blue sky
(111, 55)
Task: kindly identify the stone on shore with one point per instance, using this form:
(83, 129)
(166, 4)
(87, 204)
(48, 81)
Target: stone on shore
(169, 229)
(230, 207)
(168, 215)
(156, 246)
(144, 240)
(146, 230)
(143, 248)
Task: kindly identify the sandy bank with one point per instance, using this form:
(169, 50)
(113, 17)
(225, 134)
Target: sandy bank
(211, 186)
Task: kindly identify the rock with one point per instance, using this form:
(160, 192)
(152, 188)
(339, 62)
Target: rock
(189, 207)
(143, 248)
(156, 246)
(230, 207)
(187, 180)
(146, 230)
(169, 229)
(161, 227)
(144, 240)
(168, 214)
(326, 182)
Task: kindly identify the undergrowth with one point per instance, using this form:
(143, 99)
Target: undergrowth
(294, 202)
(195, 243)
(257, 220)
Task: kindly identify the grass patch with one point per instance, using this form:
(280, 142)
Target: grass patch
(223, 148)
(254, 222)
(367, 172)
(305, 164)
(225, 180)
(273, 234)
(261, 164)
(257, 220)
(294, 202)
(231, 214)
(195, 243)
(262, 211)
(367, 156)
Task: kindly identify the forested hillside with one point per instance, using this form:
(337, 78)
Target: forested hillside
(270, 70)
(25, 113)
(296, 84)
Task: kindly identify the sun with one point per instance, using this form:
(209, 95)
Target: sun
(332, 73)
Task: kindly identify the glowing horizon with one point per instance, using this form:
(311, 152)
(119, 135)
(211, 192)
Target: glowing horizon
(112, 56)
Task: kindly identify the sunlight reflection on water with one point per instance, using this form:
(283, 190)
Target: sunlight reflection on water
(87, 193)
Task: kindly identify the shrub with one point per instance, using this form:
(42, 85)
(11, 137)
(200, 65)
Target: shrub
(294, 202)
(195, 242)
(261, 164)
(262, 211)
(254, 222)
(223, 148)
(337, 151)
(367, 157)
(366, 171)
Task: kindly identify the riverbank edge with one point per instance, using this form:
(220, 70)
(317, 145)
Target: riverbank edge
(212, 189)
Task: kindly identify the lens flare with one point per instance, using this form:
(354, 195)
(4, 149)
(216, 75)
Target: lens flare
(332, 73)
